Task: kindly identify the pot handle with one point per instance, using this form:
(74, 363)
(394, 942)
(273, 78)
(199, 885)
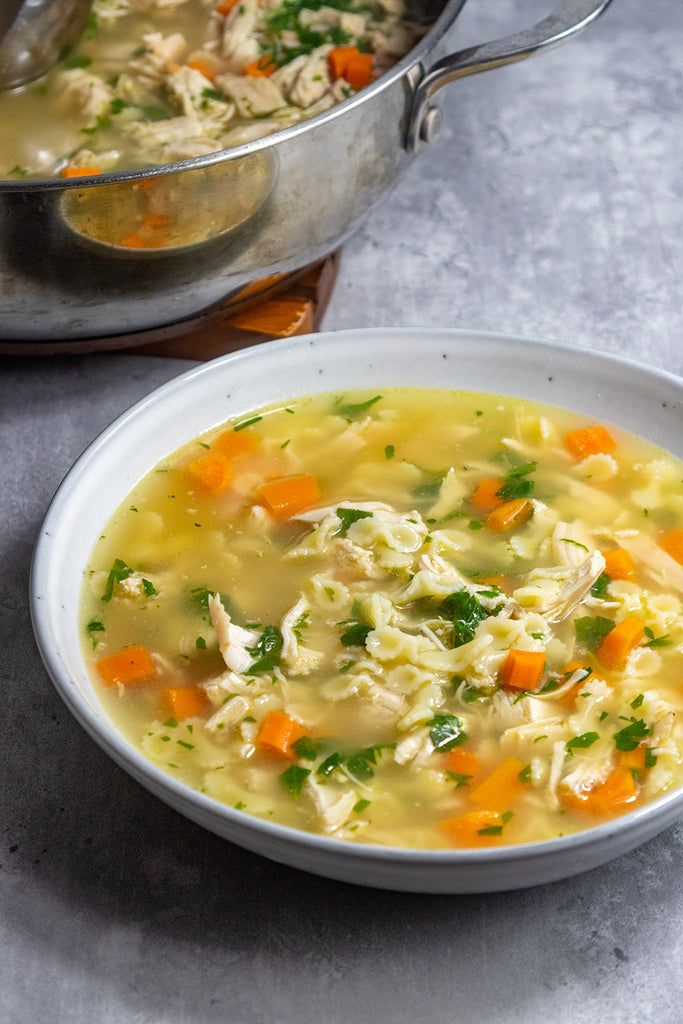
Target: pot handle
(571, 17)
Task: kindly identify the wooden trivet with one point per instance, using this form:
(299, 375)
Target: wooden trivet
(281, 306)
(293, 306)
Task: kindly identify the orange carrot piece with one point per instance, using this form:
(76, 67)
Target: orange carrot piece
(338, 60)
(277, 733)
(131, 665)
(155, 220)
(184, 702)
(589, 441)
(672, 542)
(79, 172)
(235, 442)
(288, 495)
(619, 565)
(225, 6)
(522, 670)
(203, 67)
(510, 515)
(633, 759)
(134, 241)
(212, 471)
(358, 70)
(614, 650)
(469, 829)
(485, 497)
(501, 788)
(496, 581)
(264, 67)
(617, 791)
(462, 762)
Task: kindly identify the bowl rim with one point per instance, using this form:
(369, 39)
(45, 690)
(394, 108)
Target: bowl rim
(102, 729)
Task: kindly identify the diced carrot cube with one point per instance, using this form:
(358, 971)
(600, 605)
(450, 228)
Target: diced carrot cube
(129, 666)
(474, 828)
(212, 471)
(204, 68)
(338, 59)
(589, 441)
(619, 565)
(264, 67)
(185, 702)
(672, 542)
(522, 670)
(277, 734)
(633, 759)
(613, 795)
(288, 495)
(614, 650)
(134, 241)
(485, 496)
(79, 172)
(510, 515)
(358, 71)
(462, 762)
(500, 790)
(232, 443)
(225, 6)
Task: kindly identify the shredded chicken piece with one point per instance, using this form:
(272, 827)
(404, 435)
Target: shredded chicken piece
(334, 807)
(232, 640)
(556, 592)
(253, 97)
(652, 560)
(83, 93)
(570, 543)
(299, 660)
(239, 44)
(350, 556)
(316, 515)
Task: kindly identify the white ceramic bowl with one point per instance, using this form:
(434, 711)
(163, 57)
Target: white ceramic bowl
(638, 398)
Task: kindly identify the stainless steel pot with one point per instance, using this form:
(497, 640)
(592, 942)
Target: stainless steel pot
(271, 206)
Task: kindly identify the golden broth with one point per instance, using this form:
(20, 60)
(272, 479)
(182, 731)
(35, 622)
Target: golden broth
(374, 696)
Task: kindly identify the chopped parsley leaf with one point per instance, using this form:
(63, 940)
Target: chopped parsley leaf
(267, 651)
(350, 411)
(656, 641)
(599, 588)
(582, 742)
(446, 731)
(630, 736)
(465, 612)
(389, 452)
(247, 423)
(117, 574)
(592, 630)
(293, 779)
(349, 516)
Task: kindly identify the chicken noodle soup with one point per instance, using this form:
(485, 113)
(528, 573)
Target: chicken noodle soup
(154, 81)
(426, 619)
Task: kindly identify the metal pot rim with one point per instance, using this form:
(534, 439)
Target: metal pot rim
(420, 50)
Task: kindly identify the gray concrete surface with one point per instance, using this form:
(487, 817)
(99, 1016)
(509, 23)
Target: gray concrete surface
(550, 205)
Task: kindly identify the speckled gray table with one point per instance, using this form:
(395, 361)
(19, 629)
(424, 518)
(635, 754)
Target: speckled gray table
(550, 205)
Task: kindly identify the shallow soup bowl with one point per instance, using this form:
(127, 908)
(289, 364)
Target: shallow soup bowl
(645, 401)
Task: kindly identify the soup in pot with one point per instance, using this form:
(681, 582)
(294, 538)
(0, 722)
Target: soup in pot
(154, 81)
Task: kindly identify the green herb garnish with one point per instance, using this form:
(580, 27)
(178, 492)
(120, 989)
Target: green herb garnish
(266, 652)
(592, 630)
(582, 742)
(293, 779)
(349, 516)
(446, 731)
(630, 736)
